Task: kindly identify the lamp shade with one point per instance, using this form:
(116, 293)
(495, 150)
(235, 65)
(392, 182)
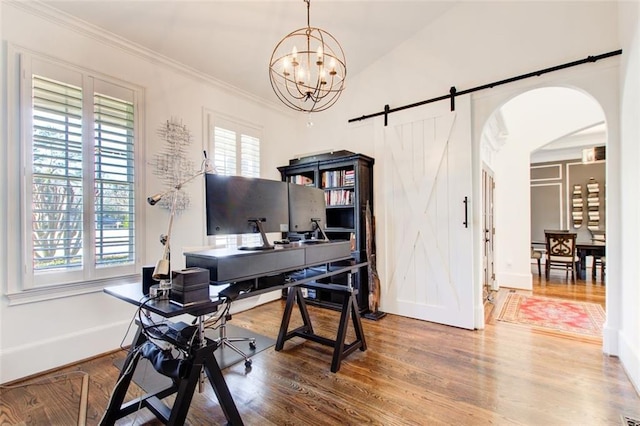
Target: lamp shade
(161, 271)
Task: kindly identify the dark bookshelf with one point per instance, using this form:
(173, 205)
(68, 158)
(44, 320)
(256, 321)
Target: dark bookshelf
(347, 179)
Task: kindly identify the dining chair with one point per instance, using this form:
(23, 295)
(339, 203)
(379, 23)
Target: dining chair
(598, 237)
(561, 253)
(537, 254)
(602, 262)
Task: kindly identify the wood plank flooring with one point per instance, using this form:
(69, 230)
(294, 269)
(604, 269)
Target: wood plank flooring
(588, 290)
(413, 373)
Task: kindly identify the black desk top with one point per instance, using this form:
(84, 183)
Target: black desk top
(232, 265)
(224, 252)
(132, 293)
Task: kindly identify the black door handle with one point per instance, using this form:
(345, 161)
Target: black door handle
(466, 212)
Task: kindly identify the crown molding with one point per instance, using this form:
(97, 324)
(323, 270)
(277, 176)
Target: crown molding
(56, 16)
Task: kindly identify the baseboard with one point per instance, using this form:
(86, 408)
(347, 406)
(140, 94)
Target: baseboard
(630, 360)
(44, 355)
(252, 302)
(514, 280)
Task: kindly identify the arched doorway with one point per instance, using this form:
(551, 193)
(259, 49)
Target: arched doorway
(551, 126)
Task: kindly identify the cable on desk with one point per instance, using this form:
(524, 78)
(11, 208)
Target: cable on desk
(157, 348)
(137, 314)
(213, 320)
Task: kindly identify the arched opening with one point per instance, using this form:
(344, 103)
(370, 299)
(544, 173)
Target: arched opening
(532, 146)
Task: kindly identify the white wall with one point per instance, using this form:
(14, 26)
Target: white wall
(629, 212)
(39, 336)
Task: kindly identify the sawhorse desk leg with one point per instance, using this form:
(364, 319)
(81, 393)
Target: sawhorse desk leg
(115, 409)
(340, 348)
(202, 358)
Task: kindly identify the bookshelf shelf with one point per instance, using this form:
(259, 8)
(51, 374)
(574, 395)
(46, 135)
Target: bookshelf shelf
(342, 206)
(335, 229)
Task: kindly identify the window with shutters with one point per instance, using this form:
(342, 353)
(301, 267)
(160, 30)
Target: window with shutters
(79, 154)
(236, 152)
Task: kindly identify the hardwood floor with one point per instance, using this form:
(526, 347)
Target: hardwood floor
(413, 373)
(588, 290)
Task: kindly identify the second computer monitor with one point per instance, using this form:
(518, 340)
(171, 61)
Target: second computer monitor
(235, 203)
(307, 208)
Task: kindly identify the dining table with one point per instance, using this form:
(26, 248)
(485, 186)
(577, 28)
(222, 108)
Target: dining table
(596, 249)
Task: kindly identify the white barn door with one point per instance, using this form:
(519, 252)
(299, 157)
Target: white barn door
(423, 165)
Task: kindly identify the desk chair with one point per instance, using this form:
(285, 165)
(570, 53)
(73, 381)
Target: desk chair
(230, 294)
(561, 253)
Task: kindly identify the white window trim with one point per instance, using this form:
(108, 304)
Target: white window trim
(16, 290)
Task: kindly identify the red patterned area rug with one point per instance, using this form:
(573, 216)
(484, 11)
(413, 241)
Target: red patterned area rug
(579, 319)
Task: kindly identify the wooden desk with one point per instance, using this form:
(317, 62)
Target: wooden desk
(589, 248)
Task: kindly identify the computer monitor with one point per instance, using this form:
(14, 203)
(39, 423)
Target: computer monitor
(241, 205)
(307, 209)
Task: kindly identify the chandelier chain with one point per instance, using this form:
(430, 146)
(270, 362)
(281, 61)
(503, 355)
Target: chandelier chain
(308, 2)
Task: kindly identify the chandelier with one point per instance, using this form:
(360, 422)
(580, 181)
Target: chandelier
(308, 69)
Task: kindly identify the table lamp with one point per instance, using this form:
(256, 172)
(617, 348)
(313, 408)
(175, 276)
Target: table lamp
(162, 271)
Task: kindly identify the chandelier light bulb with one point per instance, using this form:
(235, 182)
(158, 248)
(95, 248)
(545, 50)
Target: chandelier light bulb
(286, 65)
(301, 78)
(332, 66)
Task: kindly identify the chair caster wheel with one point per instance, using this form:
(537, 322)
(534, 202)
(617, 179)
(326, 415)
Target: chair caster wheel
(252, 345)
(247, 364)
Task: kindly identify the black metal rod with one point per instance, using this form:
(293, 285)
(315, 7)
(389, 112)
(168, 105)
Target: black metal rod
(451, 95)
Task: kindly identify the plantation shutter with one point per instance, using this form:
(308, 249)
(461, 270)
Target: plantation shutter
(57, 175)
(250, 156)
(114, 180)
(225, 151)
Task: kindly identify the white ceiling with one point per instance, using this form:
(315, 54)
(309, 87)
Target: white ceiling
(232, 41)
